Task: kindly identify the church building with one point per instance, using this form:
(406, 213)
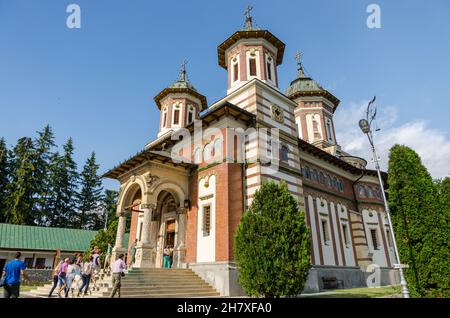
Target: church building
(189, 187)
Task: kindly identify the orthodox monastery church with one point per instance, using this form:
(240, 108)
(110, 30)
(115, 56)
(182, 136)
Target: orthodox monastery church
(189, 190)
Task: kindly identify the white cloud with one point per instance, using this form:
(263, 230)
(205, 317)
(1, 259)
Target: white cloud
(431, 144)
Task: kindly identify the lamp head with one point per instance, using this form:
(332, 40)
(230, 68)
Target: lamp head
(364, 125)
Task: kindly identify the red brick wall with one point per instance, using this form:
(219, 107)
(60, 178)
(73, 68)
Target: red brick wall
(229, 207)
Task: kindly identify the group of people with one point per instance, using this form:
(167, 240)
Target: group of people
(73, 275)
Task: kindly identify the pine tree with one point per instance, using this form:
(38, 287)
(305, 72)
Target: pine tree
(64, 183)
(20, 198)
(43, 145)
(110, 206)
(90, 197)
(4, 172)
(420, 224)
(272, 245)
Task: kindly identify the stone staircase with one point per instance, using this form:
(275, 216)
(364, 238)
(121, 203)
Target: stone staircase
(149, 283)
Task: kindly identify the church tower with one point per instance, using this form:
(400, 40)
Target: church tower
(251, 53)
(314, 111)
(179, 104)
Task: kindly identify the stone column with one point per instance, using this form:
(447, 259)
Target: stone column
(145, 250)
(179, 255)
(118, 247)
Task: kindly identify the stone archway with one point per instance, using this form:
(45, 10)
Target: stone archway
(127, 208)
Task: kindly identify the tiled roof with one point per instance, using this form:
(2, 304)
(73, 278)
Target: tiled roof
(45, 238)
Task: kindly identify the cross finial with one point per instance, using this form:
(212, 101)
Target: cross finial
(248, 17)
(183, 71)
(298, 58)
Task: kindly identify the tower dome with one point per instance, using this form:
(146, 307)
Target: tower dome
(314, 111)
(179, 104)
(250, 53)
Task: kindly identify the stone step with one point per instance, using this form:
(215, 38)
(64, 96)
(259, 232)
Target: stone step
(175, 288)
(166, 295)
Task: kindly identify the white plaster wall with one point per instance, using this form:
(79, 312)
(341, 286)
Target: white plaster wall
(327, 247)
(332, 215)
(314, 237)
(206, 245)
(371, 222)
(348, 249)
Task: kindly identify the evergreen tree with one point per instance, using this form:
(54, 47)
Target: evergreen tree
(420, 223)
(272, 245)
(20, 198)
(4, 173)
(43, 145)
(64, 183)
(110, 205)
(90, 197)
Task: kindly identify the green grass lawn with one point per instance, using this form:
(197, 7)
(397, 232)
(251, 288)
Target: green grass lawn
(361, 292)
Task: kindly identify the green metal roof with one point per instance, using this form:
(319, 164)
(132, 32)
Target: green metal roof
(24, 237)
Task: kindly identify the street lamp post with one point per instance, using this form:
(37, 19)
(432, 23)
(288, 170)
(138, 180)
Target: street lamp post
(365, 125)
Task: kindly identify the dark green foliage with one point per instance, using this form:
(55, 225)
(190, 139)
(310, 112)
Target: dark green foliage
(90, 196)
(421, 224)
(42, 178)
(272, 245)
(64, 181)
(39, 186)
(103, 238)
(19, 201)
(110, 205)
(4, 173)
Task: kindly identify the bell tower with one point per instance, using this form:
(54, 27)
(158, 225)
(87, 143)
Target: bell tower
(179, 104)
(251, 53)
(314, 111)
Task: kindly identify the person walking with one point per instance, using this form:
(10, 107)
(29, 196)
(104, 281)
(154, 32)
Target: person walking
(132, 252)
(86, 273)
(107, 263)
(71, 271)
(11, 276)
(96, 269)
(117, 270)
(166, 257)
(63, 276)
(56, 273)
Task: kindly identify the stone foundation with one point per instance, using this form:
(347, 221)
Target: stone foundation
(223, 276)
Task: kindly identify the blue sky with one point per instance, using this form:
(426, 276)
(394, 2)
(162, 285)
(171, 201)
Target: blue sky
(96, 84)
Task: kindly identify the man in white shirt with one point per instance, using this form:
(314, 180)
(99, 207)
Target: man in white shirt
(117, 271)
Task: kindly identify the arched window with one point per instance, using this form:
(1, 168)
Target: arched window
(218, 150)
(334, 183)
(369, 192)
(190, 114)
(321, 178)
(314, 175)
(341, 185)
(328, 180)
(176, 111)
(361, 192)
(164, 118)
(198, 155)
(284, 153)
(306, 172)
(207, 153)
